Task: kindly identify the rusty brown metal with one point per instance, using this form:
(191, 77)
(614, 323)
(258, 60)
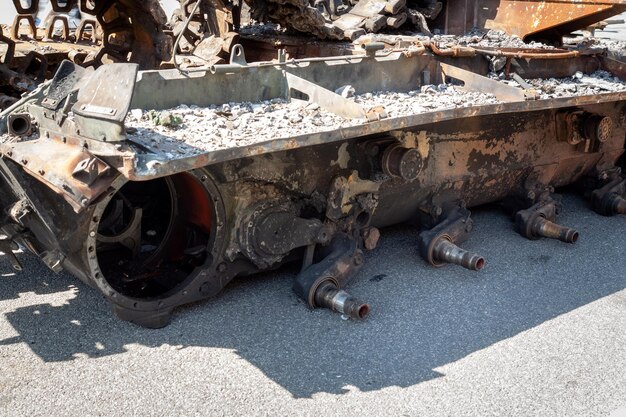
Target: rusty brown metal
(549, 19)
(545, 20)
(154, 222)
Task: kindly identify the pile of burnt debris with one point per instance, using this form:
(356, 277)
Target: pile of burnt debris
(329, 19)
(188, 130)
(241, 124)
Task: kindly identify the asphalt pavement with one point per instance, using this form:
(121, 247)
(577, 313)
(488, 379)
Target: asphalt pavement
(540, 331)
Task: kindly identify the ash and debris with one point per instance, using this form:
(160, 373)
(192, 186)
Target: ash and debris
(189, 130)
(580, 84)
(611, 46)
(490, 39)
(262, 30)
(6, 138)
(241, 124)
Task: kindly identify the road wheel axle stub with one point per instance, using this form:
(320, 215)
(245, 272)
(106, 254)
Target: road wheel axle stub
(545, 228)
(438, 245)
(329, 296)
(539, 221)
(320, 283)
(444, 251)
(609, 199)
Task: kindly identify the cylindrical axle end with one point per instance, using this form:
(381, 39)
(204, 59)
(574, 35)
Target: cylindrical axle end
(546, 228)
(619, 207)
(331, 297)
(446, 251)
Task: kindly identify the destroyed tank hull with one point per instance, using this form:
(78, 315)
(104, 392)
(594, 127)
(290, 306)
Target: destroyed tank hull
(155, 217)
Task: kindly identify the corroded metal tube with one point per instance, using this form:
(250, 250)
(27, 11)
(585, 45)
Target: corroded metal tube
(546, 228)
(619, 205)
(331, 297)
(446, 251)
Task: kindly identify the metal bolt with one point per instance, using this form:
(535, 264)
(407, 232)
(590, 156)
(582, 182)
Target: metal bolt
(92, 234)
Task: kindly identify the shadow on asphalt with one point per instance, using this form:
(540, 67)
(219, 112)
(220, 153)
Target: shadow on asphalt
(423, 318)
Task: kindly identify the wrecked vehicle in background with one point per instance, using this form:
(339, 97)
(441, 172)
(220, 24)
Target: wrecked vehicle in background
(259, 147)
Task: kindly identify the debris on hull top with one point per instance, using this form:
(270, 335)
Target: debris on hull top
(206, 129)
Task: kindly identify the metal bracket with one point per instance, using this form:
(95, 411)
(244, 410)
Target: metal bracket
(7, 246)
(341, 197)
(328, 100)
(610, 199)
(319, 284)
(438, 245)
(479, 83)
(238, 56)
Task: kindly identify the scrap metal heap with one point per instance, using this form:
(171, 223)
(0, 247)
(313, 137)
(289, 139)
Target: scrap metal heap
(159, 187)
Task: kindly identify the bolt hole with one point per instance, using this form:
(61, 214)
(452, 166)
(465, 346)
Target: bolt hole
(480, 264)
(364, 310)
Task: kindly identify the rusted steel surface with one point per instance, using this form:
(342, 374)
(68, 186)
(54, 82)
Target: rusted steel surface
(549, 19)
(319, 197)
(159, 216)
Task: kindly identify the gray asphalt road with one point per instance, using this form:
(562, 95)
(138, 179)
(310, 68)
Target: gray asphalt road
(539, 332)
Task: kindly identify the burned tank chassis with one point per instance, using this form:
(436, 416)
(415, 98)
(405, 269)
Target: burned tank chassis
(318, 198)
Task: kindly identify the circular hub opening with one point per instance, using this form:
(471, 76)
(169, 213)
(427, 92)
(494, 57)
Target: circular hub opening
(20, 125)
(152, 235)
